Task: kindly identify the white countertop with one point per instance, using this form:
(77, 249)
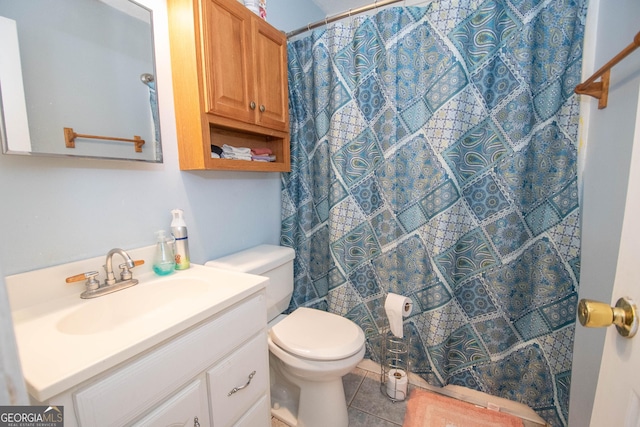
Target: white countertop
(64, 340)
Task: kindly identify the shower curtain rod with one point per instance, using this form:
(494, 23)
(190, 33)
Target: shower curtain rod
(342, 15)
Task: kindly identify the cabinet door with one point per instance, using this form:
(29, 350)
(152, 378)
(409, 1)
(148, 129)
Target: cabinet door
(228, 68)
(270, 63)
(258, 416)
(187, 408)
(238, 381)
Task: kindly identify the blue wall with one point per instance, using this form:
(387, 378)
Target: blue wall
(289, 15)
(57, 210)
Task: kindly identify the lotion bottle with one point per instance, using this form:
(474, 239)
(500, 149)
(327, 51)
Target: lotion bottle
(179, 231)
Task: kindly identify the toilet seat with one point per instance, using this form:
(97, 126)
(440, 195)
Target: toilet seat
(317, 335)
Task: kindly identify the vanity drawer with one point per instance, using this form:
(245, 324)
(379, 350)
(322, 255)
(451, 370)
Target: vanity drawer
(185, 408)
(126, 393)
(258, 416)
(228, 405)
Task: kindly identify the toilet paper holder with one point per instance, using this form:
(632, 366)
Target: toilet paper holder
(395, 366)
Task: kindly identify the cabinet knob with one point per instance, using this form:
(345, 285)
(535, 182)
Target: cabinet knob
(252, 105)
(262, 108)
(196, 423)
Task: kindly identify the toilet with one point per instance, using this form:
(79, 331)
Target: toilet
(309, 350)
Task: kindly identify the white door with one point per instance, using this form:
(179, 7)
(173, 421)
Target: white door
(617, 401)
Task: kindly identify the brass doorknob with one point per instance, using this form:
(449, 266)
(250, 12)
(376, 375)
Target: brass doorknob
(595, 314)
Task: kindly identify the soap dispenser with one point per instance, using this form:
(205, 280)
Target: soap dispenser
(164, 260)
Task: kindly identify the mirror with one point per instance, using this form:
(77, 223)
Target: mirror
(77, 79)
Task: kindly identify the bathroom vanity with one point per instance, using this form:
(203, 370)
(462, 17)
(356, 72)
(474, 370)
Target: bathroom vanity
(185, 349)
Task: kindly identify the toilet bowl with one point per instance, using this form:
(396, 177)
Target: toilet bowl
(309, 350)
(313, 350)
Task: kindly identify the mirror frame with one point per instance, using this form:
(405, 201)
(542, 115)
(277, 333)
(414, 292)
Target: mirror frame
(13, 127)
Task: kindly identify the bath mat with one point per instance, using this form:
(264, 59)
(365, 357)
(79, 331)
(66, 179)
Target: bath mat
(426, 409)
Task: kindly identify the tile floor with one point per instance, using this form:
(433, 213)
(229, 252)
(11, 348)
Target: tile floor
(368, 407)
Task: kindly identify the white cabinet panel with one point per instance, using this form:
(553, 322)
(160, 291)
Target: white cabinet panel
(129, 392)
(258, 416)
(233, 373)
(187, 408)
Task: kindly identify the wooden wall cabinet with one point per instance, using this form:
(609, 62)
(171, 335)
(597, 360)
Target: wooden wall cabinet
(230, 84)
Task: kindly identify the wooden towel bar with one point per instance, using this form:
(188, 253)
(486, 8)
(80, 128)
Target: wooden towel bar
(600, 89)
(70, 139)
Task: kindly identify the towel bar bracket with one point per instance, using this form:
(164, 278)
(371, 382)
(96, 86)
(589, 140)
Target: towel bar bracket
(600, 90)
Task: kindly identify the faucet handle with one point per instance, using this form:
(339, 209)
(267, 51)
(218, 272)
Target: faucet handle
(91, 284)
(125, 273)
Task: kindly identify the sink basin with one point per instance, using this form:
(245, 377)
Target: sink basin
(103, 314)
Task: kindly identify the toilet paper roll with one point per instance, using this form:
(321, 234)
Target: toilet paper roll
(397, 383)
(397, 307)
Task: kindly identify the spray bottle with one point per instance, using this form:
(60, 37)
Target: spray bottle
(179, 231)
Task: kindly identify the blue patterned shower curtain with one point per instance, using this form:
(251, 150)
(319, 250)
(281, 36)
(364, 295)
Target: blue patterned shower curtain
(434, 156)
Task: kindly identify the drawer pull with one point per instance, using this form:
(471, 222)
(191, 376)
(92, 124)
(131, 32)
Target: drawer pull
(196, 423)
(237, 389)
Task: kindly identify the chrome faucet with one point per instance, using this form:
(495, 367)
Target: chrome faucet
(111, 278)
(95, 289)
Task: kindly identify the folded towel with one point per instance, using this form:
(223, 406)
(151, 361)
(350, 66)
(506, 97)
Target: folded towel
(261, 151)
(234, 156)
(236, 150)
(265, 158)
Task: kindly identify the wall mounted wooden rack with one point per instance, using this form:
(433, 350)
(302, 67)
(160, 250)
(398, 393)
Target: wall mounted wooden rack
(70, 139)
(600, 89)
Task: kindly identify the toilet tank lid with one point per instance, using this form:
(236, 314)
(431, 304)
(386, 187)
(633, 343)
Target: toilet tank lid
(256, 260)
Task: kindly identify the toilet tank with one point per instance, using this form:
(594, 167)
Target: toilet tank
(274, 262)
